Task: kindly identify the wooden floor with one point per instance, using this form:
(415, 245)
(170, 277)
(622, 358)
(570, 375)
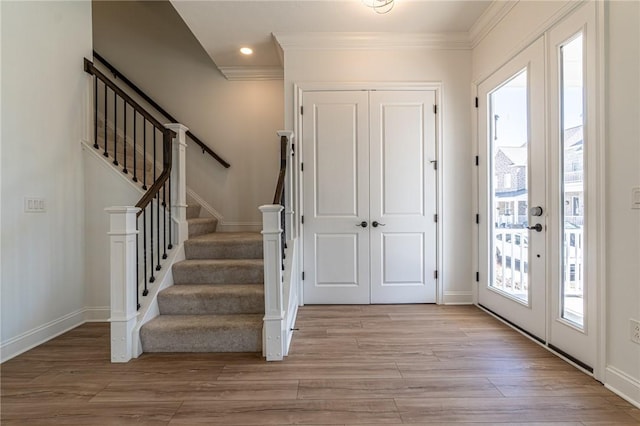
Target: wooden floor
(421, 364)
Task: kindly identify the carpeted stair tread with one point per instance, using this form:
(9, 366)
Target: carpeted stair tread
(203, 333)
(202, 225)
(219, 271)
(225, 245)
(221, 299)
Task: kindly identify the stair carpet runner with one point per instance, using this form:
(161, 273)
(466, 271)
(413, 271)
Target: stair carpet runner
(217, 301)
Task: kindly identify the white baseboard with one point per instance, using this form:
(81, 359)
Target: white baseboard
(623, 385)
(97, 314)
(37, 336)
(458, 298)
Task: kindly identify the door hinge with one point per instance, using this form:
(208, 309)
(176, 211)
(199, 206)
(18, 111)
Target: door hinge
(302, 110)
(477, 277)
(477, 218)
(302, 275)
(477, 102)
(293, 149)
(302, 167)
(435, 274)
(435, 164)
(302, 219)
(435, 109)
(477, 160)
(435, 218)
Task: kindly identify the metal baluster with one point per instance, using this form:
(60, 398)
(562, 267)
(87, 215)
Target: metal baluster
(124, 145)
(144, 154)
(164, 218)
(115, 129)
(106, 154)
(157, 196)
(135, 138)
(95, 113)
(170, 246)
(152, 278)
(144, 251)
(137, 266)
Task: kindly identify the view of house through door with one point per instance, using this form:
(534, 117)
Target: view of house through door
(369, 197)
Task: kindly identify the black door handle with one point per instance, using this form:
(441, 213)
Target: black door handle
(537, 227)
(363, 224)
(375, 224)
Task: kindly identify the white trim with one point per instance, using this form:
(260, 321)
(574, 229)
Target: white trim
(249, 73)
(45, 332)
(438, 87)
(491, 17)
(205, 206)
(97, 314)
(372, 41)
(623, 385)
(457, 298)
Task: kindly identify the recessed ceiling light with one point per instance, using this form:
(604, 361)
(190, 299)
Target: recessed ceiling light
(246, 50)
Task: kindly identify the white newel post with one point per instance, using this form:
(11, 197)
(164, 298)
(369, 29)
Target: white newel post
(124, 312)
(179, 181)
(273, 309)
(288, 185)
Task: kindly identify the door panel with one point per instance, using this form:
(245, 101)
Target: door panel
(403, 197)
(512, 179)
(336, 197)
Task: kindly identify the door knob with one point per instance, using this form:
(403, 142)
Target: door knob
(535, 211)
(537, 227)
(363, 224)
(375, 224)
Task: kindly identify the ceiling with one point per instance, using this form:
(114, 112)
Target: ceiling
(223, 26)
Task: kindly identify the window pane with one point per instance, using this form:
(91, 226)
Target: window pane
(509, 188)
(572, 140)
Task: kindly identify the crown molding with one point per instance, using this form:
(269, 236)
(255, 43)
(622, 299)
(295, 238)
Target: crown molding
(491, 17)
(372, 41)
(249, 73)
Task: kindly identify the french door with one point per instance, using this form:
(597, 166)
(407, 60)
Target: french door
(512, 187)
(369, 197)
(538, 189)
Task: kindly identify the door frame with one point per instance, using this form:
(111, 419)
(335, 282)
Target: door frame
(299, 89)
(599, 178)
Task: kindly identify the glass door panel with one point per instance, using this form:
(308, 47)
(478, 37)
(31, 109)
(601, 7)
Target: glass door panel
(508, 119)
(572, 165)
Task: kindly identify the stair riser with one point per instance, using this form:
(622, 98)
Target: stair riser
(217, 274)
(221, 305)
(228, 250)
(193, 211)
(202, 341)
(196, 229)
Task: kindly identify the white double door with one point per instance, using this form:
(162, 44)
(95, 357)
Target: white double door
(369, 197)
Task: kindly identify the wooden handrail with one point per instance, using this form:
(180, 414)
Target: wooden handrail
(277, 198)
(118, 74)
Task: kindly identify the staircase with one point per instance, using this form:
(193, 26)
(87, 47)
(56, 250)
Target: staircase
(217, 301)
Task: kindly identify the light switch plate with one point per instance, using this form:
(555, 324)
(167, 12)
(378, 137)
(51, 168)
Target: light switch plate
(34, 205)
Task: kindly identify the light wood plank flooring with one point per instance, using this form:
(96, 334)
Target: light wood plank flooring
(398, 364)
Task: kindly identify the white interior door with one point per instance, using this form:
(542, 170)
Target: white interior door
(512, 183)
(402, 197)
(336, 197)
(369, 198)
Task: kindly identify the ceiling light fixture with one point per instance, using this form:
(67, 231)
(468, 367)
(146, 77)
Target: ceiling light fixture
(380, 6)
(246, 50)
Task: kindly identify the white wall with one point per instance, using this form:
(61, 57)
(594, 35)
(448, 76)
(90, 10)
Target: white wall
(43, 87)
(151, 45)
(622, 147)
(623, 173)
(453, 69)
